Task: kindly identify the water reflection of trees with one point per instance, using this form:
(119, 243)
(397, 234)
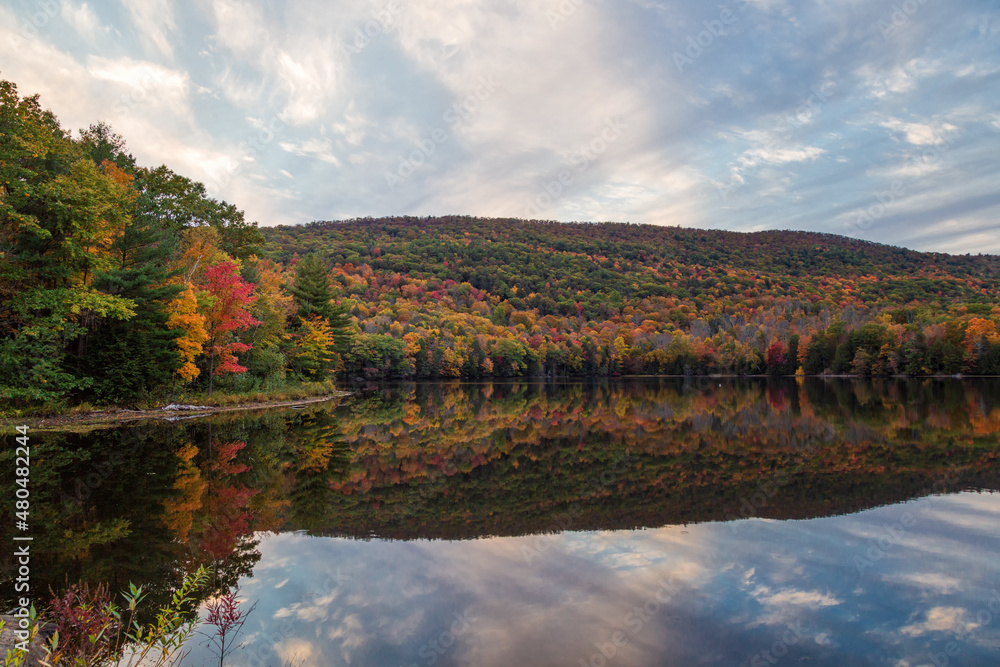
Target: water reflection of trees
(151, 502)
(438, 460)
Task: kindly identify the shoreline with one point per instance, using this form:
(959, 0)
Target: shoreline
(113, 417)
(116, 416)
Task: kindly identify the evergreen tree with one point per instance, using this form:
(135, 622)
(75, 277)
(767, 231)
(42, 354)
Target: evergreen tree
(314, 295)
(312, 290)
(101, 143)
(127, 360)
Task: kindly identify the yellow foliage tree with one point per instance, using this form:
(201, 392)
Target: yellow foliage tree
(314, 355)
(185, 317)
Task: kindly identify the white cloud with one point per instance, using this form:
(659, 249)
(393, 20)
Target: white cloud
(311, 148)
(798, 598)
(882, 83)
(781, 155)
(154, 21)
(922, 134)
(352, 127)
(84, 20)
(933, 582)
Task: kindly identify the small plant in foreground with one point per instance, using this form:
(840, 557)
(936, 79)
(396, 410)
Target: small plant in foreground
(227, 617)
(92, 630)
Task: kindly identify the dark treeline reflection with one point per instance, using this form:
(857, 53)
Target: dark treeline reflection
(148, 503)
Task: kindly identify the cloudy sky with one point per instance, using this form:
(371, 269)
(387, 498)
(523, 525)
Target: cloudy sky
(870, 118)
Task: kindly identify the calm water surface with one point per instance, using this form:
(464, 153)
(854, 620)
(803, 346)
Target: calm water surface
(632, 522)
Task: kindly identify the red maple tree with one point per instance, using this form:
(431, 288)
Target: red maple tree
(229, 312)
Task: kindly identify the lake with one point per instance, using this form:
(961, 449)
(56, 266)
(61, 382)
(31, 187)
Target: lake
(614, 522)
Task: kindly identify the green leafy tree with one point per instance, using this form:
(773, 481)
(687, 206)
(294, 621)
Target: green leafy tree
(179, 202)
(58, 217)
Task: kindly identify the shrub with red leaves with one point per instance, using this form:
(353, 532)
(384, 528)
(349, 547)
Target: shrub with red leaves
(86, 623)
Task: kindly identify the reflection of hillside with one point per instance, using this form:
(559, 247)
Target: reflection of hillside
(147, 503)
(469, 460)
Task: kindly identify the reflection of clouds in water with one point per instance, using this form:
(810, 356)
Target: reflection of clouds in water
(734, 593)
(933, 583)
(659, 549)
(942, 619)
(810, 599)
(787, 605)
(298, 652)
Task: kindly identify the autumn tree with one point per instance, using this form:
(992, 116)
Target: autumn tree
(311, 287)
(230, 298)
(981, 342)
(777, 358)
(313, 355)
(182, 203)
(103, 144)
(185, 318)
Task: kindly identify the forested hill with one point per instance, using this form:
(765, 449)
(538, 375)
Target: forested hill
(645, 243)
(615, 297)
(555, 260)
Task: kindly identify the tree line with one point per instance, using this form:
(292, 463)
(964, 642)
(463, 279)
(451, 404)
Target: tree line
(471, 297)
(125, 284)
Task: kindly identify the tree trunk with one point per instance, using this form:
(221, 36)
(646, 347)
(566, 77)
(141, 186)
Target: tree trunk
(211, 372)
